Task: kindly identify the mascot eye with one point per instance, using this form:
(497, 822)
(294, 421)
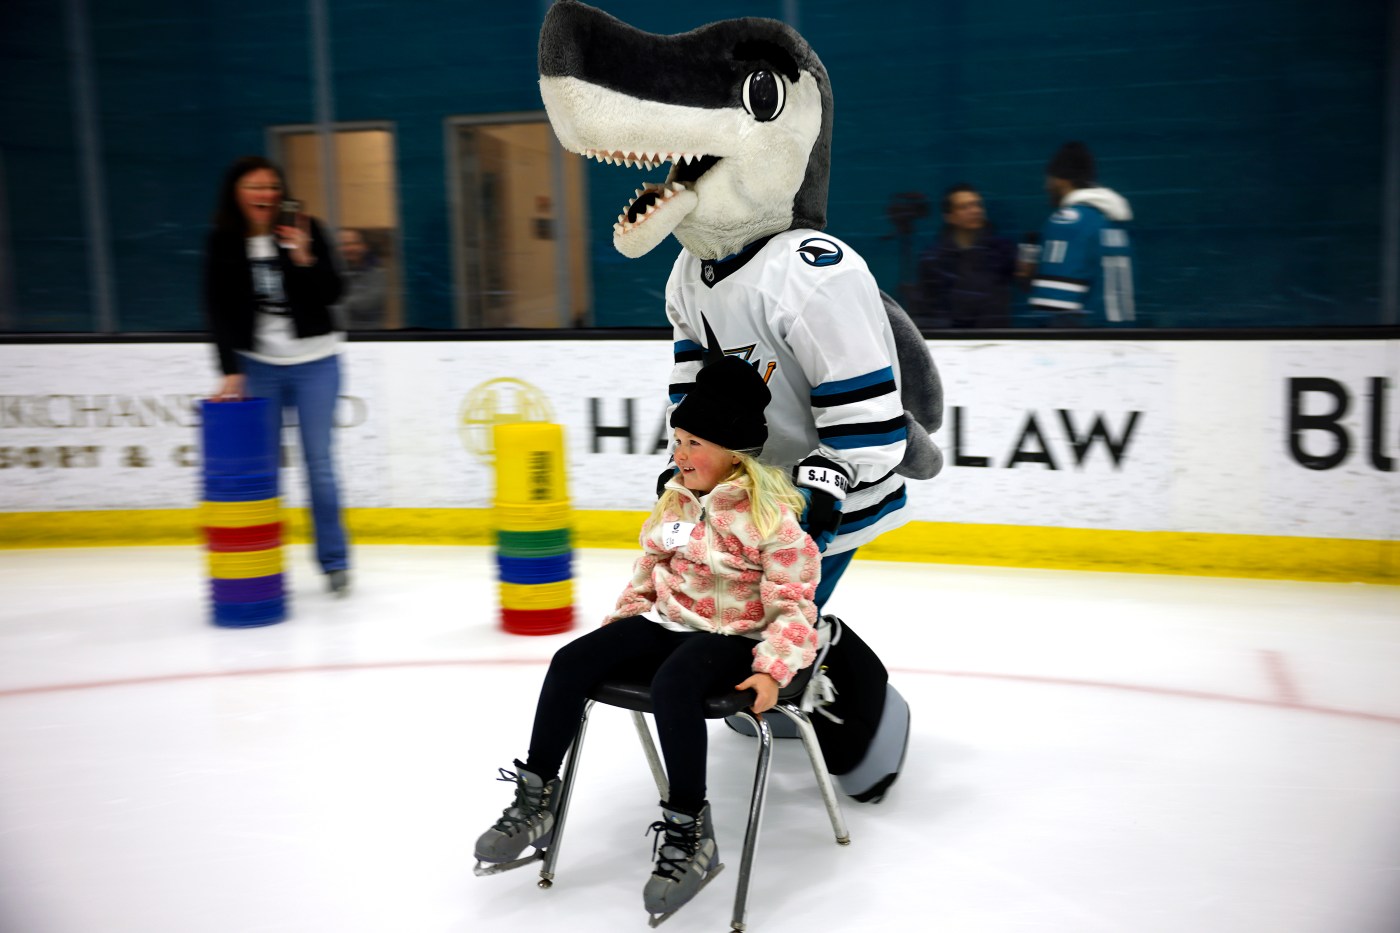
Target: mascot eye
(764, 95)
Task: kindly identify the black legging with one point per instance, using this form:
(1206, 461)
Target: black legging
(684, 668)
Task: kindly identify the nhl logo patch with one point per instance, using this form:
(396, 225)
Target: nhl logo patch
(709, 272)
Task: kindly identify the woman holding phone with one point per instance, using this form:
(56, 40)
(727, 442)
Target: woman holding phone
(269, 284)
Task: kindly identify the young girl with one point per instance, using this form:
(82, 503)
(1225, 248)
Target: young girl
(720, 597)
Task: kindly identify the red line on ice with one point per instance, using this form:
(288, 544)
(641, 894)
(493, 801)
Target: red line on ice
(527, 662)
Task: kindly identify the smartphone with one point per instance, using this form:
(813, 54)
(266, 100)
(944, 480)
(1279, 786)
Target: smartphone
(287, 217)
(287, 214)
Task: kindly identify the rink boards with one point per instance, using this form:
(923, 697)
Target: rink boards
(1273, 458)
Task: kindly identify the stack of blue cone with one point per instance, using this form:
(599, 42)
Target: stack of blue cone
(241, 514)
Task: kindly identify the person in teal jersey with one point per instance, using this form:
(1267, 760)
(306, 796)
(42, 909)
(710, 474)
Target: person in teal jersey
(1085, 273)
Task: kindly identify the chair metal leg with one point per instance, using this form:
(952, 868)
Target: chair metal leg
(760, 794)
(818, 760)
(566, 791)
(658, 771)
(756, 803)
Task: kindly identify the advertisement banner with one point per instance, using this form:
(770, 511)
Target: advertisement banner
(1243, 437)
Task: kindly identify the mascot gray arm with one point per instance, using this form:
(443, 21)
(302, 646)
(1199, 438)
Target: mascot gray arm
(921, 391)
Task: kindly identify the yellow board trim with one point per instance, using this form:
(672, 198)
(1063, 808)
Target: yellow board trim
(1329, 559)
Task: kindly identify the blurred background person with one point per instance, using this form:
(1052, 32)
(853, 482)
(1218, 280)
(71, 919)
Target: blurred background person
(1085, 272)
(965, 277)
(363, 297)
(269, 283)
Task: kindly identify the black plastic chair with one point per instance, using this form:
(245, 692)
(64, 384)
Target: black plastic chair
(636, 696)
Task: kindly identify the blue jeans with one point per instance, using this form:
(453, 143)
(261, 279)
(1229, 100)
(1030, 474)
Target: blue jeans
(312, 389)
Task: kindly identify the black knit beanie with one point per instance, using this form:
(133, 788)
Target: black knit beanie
(1074, 163)
(726, 406)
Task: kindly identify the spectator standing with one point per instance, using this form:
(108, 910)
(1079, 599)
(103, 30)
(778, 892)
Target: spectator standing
(965, 277)
(362, 301)
(269, 283)
(1085, 273)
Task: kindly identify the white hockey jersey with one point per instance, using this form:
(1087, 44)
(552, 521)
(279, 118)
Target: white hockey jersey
(803, 308)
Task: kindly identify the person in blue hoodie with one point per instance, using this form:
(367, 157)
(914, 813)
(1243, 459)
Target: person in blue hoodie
(1085, 273)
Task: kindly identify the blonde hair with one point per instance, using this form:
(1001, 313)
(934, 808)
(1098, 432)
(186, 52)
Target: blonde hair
(768, 488)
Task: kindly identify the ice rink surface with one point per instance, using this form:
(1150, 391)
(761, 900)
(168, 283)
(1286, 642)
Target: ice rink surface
(1091, 753)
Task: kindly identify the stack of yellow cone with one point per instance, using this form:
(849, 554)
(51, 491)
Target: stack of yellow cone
(534, 551)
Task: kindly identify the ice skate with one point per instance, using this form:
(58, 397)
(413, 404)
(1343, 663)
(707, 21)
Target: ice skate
(687, 858)
(528, 821)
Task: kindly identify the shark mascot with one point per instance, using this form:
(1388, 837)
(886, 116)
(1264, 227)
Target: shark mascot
(739, 112)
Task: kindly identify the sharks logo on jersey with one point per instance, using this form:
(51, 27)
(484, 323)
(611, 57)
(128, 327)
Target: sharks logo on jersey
(819, 251)
(746, 354)
(687, 350)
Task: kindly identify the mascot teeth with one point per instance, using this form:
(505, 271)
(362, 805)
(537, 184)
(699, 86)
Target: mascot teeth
(633, 238)
(661, 207)
(650, 217)
(646, 160)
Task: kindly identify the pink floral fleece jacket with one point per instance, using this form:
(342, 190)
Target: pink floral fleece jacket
(725, 578)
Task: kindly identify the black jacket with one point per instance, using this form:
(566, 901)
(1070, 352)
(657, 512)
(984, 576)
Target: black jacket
(231, 306)
(967, 287)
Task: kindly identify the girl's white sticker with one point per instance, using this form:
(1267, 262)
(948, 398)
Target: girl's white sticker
(677, 534)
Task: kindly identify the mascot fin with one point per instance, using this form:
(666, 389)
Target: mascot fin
(921, 392)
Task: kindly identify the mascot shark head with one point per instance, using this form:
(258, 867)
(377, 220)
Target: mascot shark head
(740, 109)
